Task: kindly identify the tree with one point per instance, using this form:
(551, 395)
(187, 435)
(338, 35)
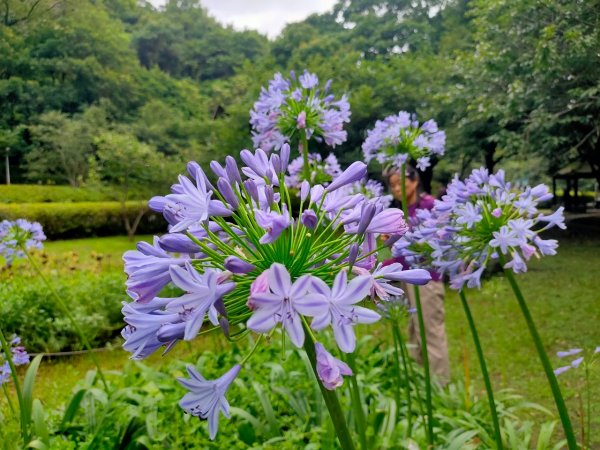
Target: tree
(131, 167)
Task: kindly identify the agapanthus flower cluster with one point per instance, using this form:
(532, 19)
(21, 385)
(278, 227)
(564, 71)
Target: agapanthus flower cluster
(581, 357)
(296, 108)
(370, 189)
(19, 357)
(322, 171)
(245, 264)
(480, 220)
(398, 138)
(18, 236)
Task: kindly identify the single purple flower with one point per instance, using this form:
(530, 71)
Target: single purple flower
(273, 223)
(341, 311)
(557, 219)
(148, 270)
(330, 369)
(284, 303)
(570, 352)
(504, 239)
(388, 221)
(206, 398)
(202, 292)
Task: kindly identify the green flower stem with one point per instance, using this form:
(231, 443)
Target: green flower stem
(357, 405)
(8, 400)
(399, 355)
(67, 313)
(558, 398)
(306, 168)
(331, 401)
(425, 358)
(411, 374)
(589, 404)
(484, 371)
(13, 372)
(422, 331)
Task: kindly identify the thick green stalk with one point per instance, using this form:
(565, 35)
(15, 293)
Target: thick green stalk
(589, 404)
(422, 331)
(357, 405)
(400, 353)
(331, 401)
(306, 168)
(558, 398)
(13, 372)
(8, 400)
(425, 358)
(484, 371)
(67, 313)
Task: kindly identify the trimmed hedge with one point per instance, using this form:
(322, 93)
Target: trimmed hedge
(84, 219)
(38, 193)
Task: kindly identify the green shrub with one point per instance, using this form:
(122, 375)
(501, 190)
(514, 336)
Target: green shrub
(37, 193)
(28, 309)
(84, 219)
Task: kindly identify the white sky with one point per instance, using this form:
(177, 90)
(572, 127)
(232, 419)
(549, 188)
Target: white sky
(267, 16)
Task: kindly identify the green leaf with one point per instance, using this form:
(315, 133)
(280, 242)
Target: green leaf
(28, 389)
(72, 408)
(40, 427)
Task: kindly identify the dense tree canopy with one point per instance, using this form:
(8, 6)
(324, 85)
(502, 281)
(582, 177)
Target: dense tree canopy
(509, 81)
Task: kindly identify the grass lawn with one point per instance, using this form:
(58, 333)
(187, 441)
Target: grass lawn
(564, 299)
(561, 291)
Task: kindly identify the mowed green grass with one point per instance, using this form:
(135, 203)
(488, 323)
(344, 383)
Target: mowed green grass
(564, 298)
(562, 293)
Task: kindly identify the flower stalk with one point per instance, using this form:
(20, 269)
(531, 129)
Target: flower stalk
(558, 398)
(357, 405)
(330, 397)
(484, 371)
(13, 371)
(422, 331)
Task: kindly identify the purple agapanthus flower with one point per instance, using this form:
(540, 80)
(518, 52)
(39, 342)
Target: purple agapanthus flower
(592, 356)
(206, 398)
(18, 236)
(341, 311)
(284, 303)
(395, 139)
(330, 369)
(202, 292)
(289, 108)
(480, 219)
(321, 170)
(273, 223)
(189, 204)
(18, 355)
(147, 269)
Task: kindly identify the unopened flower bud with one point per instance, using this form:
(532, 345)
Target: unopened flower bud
(227, 192)
(238, 265)
(232, 170)
(309, 219)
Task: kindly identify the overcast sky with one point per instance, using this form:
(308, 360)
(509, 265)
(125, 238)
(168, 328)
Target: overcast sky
(267, 16)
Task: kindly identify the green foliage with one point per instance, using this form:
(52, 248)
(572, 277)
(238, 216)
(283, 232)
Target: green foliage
(38, 193)
(274, 405)
(29, 309)
(69, 220)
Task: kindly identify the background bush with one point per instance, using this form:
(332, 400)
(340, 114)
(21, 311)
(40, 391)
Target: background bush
(83, 219)
(28, 309)
(39, 193)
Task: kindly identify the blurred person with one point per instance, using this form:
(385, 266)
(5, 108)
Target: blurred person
(432, 294)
